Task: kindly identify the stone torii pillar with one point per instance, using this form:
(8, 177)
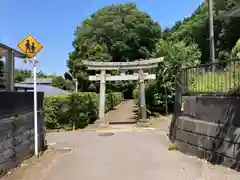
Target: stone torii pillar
(122, 66)
(142, 96)
(102, 97)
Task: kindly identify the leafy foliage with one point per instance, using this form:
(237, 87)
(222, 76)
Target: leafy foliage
(118, 32)
(196, 28)
(235, 53)
(185, 44)
(61, 83)
(22, 74)
(160, 93)
(77, 109)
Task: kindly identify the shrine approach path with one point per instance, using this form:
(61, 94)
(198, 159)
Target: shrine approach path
(123, 155)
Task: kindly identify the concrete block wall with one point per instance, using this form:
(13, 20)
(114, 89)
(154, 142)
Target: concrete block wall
(17, 129)
(209, 127)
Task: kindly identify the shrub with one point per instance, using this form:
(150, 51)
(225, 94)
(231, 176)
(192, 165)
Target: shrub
(136, 95)
(157, 96)
(55, 111)
(77, 109)
(113, 99)
(177, 54)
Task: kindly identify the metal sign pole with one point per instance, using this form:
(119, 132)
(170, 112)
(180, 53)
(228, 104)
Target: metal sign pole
(35, 106)
(30, 46)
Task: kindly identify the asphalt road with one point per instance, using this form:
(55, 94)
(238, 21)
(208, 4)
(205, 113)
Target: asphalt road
(127, 156)
(122, 156)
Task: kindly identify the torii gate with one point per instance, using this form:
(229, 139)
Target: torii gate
(123, 67)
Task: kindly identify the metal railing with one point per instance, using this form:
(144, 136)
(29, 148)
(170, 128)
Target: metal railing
(222, 77)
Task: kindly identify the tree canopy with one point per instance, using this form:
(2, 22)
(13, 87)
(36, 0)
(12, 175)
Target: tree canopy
(196, 27)
(177, 55)
(180, 45)
(119, 32)
(123, 33)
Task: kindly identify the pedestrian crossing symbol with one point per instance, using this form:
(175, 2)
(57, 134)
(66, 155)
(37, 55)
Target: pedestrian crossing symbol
(30, 46)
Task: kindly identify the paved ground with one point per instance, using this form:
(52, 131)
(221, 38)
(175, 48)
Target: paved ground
(136, 155)
(125, 112)
(129, 154)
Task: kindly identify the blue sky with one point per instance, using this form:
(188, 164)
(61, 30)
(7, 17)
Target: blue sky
(52, 22)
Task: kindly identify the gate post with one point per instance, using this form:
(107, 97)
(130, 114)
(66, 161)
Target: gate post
(177, 106)
(123, 67)
(102, 99)
(142, 96)
(9, 71)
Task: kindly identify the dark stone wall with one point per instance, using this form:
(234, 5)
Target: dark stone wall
(209, 127)
(14, 103)
(17, 128)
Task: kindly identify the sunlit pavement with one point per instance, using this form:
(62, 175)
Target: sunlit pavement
(127, 155)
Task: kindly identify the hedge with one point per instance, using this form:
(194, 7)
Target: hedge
(75, 110)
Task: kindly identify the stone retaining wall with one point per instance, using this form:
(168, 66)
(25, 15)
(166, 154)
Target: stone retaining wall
(209, 127)
(17, 128)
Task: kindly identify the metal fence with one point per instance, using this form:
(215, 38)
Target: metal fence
(222, 77)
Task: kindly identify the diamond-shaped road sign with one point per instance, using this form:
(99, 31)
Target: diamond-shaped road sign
(30, 46)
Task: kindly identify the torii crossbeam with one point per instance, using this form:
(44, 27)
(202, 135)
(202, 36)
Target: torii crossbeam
(122, 66)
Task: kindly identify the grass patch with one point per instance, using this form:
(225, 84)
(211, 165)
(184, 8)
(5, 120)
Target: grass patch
(173, 147)
(159, 121)
(223, 80)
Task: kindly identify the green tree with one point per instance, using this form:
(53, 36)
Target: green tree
(235, 53)
(196, 28)
(160, 93)
(22, 74)
(59, 82)
(114, 33)
(40, 74)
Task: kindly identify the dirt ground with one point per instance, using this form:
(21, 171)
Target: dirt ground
(126, 112)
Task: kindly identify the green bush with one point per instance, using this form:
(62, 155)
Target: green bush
(160, 92)
(136, 95)
(157, 96)
(113, 99)
(75, 110)
(55, 111)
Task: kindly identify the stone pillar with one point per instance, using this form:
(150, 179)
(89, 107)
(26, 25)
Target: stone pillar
(123, 72)
(9, 71)
(142, 96)
(76, 85)
(102, 121)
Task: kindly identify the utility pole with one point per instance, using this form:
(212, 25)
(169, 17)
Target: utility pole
(211, 33)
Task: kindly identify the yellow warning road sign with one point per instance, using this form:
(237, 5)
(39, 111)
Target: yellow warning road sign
(30, 46)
